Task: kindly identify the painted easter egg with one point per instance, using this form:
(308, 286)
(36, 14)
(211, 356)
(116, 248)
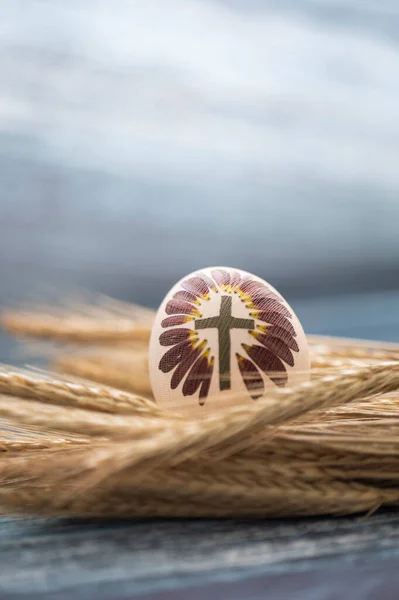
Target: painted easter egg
(223, 337)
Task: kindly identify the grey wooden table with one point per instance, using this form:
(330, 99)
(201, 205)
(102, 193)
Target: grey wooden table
(311, 558)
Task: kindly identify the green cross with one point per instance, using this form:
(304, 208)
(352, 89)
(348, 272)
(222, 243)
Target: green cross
(223, 323)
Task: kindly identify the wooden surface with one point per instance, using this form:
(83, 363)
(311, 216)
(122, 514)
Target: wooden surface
(316, 559)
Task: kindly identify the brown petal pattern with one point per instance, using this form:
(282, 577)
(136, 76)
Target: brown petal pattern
(283, 334)
(221, 277)
(174, 356)
(186, 297)
(276, 345)
(262, 304)
(175, 336)
(235, 279)
(196, 286)
(251, 377)
(209, 282)
(268, 362)
(249, 285)
(274, 318)
(184, 366)
(199, 377)
(178, 307)
(176, 320)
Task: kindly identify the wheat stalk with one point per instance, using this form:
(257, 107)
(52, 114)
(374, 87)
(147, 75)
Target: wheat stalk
(126, 369)
(327, 447)
(239, 488)
(108, 321)
(79, 393)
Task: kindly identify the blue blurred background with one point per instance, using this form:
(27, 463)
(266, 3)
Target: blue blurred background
(142, 140)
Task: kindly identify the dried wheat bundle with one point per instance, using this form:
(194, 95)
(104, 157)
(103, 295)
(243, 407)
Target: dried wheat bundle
(106, 321)
(89, 439)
